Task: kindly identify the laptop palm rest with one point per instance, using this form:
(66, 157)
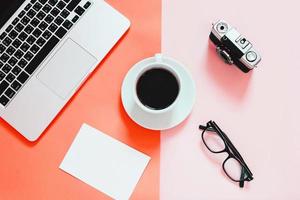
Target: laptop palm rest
(67, 68)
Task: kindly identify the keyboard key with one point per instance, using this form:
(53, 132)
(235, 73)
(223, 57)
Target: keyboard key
(47, 34)
(46, 8)
(3, 35)
(75, 19)
(29, 29)
(16, 85)
(25, 47)
(41, 15)
(41, 55)
(87, 4)
(4, 100)
(4, 57)
(10, 93)
(19, 54)
(6, 69)
(23, 36)
(72, 5)
(16, 70)
(31, 40)
(2, 48)
(19, 27)
(2, 75)
(8, 29)
(31, 13)
(64, 13)
(40, 42)
(37, 33)
(35, 22)
(22, 63)
(17, 43)
(42, 1)
(43, 26)
(13, 34)
(3, 86)
(28, 6)
(59, 20)
(22, 13)
(37, 6)
(61, 5)
(53, 27)
(23, 77)
(34, 49)
(67, 24)
(53, 2)
(1, 64)
(12, 61)
(55, 12)
(10, 77)
(7, 41)
(61, 32)
(10, 50)
(33, 1)
(25, 20)
(49, 19)
(16, 20)
(28, 56)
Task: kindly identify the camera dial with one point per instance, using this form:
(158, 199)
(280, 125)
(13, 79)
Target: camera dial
(222, 27)
(251, 56)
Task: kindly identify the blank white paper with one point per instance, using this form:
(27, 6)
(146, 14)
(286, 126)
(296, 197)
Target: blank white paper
(104, 163)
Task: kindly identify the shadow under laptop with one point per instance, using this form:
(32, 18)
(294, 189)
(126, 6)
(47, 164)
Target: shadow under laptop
(229, 78)
(10, 130)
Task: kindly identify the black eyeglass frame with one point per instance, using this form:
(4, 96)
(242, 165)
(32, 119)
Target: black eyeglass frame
(230, 149)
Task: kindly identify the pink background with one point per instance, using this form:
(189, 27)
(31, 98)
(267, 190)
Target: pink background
(259, 111)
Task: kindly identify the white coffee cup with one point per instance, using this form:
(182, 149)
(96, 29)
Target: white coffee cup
(170, 113)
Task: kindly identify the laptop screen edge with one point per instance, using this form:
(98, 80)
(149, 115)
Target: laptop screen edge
(7, 9)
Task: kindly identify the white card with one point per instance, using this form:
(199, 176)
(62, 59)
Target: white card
(104, 163)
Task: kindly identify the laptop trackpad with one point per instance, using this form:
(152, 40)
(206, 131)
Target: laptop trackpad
(68, 67)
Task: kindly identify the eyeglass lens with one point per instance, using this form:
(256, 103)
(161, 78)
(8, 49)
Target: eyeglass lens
(233, 169)
(213, 141)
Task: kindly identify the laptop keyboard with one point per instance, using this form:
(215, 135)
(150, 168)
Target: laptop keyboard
(31, 37)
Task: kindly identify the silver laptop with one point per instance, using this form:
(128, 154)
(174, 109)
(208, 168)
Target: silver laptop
(47, 49)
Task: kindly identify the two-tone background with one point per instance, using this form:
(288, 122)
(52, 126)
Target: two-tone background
(258, 111)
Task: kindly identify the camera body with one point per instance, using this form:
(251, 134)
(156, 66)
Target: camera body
(233, 48)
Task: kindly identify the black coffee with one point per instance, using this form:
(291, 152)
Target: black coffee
(157, 88)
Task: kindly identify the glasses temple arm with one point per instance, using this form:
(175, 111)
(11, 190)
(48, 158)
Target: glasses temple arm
(206, 128)
(228, 141)
(242, 177)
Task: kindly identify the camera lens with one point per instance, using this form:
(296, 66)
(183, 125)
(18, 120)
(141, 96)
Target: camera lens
(222, 27)
(224, 56)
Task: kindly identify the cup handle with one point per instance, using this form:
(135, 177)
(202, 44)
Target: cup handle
(158, 57)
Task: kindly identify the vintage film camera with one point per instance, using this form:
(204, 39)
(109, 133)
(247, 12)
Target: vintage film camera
(233, 48)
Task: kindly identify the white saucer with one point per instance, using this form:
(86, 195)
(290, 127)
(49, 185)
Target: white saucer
(163, 121)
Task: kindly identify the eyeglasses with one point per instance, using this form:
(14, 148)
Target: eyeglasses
(234, 165)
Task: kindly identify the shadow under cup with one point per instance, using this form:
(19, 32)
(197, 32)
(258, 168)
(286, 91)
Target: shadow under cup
(158, 87)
